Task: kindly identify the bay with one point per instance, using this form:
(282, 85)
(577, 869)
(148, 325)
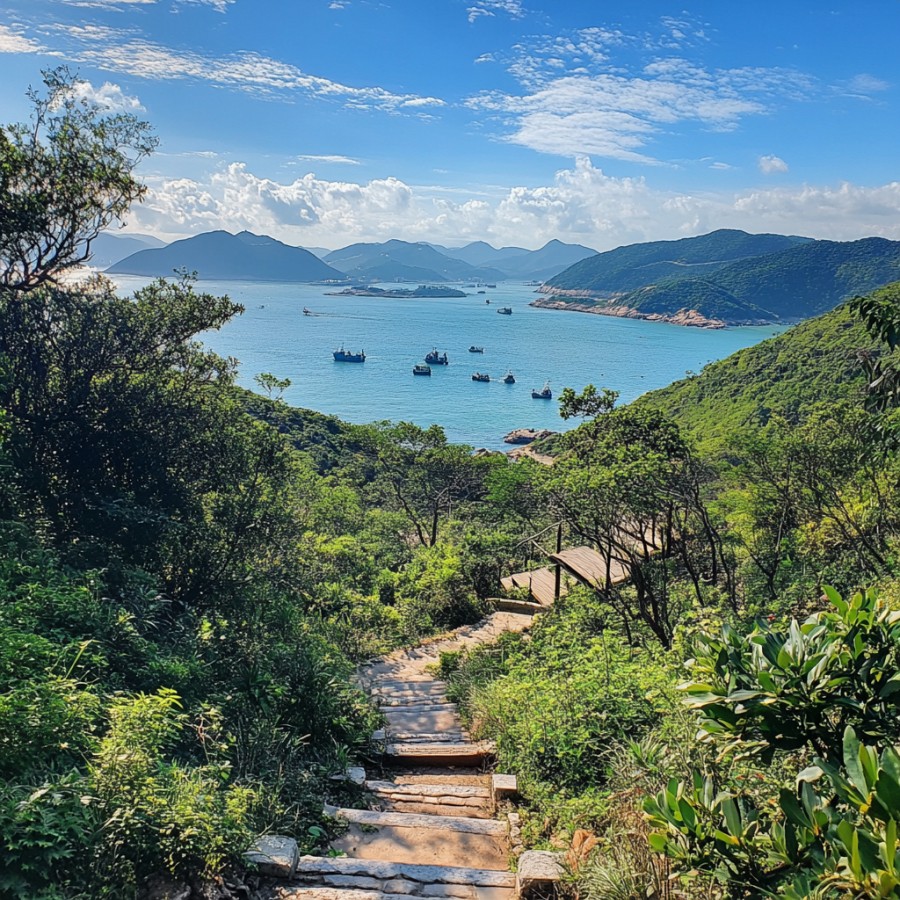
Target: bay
(568, 349)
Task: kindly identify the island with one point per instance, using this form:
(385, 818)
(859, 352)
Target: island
(423, 290)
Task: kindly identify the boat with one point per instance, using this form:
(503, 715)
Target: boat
(307, 311)
(481, 376)
(505, 310)
(343, 355)
(474, 349)
(509, 378)
(421, 369)
(436, 359)
(481, 292)
(544, 393)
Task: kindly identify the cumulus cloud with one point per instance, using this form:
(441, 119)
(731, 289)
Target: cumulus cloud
(13, 41)
(770, 165)
(582, 204)
(108, 96)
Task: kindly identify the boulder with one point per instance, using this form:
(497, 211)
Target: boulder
(274, 855)
(538, 873)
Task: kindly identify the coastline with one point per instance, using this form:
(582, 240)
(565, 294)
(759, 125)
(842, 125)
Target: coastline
(585, 304)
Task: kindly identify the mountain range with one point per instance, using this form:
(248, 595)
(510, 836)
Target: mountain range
(245, 255)
(726, 277)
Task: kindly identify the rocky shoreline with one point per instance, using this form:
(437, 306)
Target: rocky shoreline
(576, 301)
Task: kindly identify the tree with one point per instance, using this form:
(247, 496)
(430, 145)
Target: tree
(64, 177)
(417, 471)
(628, 484)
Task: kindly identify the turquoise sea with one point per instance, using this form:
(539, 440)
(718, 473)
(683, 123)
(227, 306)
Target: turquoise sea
(568, 349)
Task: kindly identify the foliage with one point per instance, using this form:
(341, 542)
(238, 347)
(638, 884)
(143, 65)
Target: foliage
(64, 177)
(815, 361)
(814, 687)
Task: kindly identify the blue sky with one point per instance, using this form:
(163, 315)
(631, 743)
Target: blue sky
(324, 122)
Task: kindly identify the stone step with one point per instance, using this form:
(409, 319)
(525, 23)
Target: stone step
(434, 799)
(422, 775)
(421, 737)
(403, 879)
(441, 753)
(433, 808)
(394, 789)
(421, 707)
(460, 824)
(410, 695)
(455, 891)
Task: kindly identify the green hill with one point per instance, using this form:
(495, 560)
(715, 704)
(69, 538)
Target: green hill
(813, 361)
(638, 265)
(796, 283)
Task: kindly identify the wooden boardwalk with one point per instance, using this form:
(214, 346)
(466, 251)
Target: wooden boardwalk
(584, 565)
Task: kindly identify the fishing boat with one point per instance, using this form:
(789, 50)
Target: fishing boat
(481, 376)
(509, 378)
(474, 349)
(343, 355)
(436, 359)
(421, 369)
(307, 311)
(544, 393)
(505, 310)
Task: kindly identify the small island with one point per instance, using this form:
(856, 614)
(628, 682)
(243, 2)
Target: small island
(423, 290)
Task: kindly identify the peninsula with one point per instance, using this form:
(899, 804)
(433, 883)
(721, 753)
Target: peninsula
(423, 290)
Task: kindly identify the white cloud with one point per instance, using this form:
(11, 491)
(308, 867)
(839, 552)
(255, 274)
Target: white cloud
(862, 86)
(108, 4)
(582, 205)
(119, 51)
(616, 116)
(329, 158)
(220, 6)
(721, 166)
(13, 41)
(769, 165)
(575, 99)
(108, 96)
(485, 58)
(512, 8)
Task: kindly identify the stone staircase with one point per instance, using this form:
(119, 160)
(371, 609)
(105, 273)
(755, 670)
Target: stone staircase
(433, 828)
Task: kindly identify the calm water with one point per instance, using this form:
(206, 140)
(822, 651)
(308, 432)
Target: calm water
(565, 348)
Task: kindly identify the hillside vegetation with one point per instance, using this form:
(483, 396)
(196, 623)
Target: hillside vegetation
(733, 277)
(815, 361)
(638, 265)
(794, 284)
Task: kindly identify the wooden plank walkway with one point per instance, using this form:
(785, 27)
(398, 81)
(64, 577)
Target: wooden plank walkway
(582, 564)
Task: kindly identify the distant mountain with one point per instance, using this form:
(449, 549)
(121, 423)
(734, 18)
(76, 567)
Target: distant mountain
(394, 259)
(802, 281)
(107, 249)
(477, 261)
(220, 254)
(479, 253)
(321, 252)
(539, 265)
(638, 265)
